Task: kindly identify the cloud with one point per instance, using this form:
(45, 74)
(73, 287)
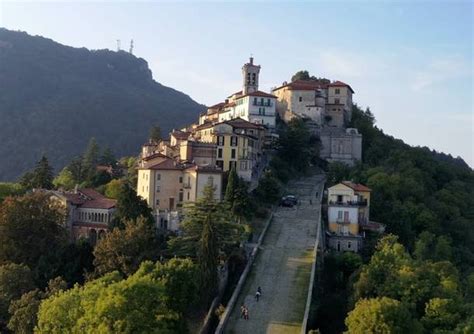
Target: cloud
(440, 70)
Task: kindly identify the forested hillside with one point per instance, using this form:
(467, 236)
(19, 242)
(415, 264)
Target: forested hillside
(54, 98)
(420, 278)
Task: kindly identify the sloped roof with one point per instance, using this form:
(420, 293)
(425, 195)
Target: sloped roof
(302, 85)
(356, 186)
(340, 84)
(242, 124)
(181, 134)
(168, 164)
(91, 199)
(257, 93)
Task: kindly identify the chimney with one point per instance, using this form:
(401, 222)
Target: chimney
(226, 101)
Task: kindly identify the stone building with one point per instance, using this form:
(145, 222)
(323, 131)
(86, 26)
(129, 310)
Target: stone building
(342, 145)
(89, 213)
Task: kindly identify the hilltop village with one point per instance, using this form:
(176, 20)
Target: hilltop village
(239, 133)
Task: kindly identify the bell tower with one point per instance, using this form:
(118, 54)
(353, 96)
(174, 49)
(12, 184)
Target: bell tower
(250, 77)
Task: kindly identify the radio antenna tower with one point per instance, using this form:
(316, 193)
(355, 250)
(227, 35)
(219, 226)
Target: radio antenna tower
(131, 47)
(118, 45)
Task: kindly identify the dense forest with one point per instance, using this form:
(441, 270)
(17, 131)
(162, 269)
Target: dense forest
(54, 98)
(420, 277)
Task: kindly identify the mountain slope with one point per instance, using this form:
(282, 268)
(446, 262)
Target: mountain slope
(54, 98)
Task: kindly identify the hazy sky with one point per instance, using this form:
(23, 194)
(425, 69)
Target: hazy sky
(410, 62)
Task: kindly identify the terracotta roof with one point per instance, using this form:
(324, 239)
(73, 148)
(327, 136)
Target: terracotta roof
(91, 199)
(257, 93)
(236, 93)
(153, 156)
(93, 225)
(303, 85)
(100, 203)
(217, 106)
(356, 186)
(168, 164)
(230, 104)
(242, 124)
(181, 134)
(340, 84)
(205, 125)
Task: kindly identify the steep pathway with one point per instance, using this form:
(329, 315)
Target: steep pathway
(282, 268)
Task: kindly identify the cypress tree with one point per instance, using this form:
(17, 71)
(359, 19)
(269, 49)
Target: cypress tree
(232, 185)
(40, 177)
(208, 261)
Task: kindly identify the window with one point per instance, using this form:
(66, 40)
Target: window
(232, 164)
(210, 180)
(255, 101)
(243, 165)
(220, 140)
(157, 189)
(188, 196)
(349, 244)
(338, 91)
(233, 141)
(232, 154)
(268, 102)
(219, 153)
(254, 78)
(300, 99)
(336, 101)
(180, 198)
(157, 202)
(339, 215)
(158, 177)
(180, 179)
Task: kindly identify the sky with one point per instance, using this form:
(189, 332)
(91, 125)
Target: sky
(411, 62)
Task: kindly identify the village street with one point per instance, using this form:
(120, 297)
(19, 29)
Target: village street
(283, 267)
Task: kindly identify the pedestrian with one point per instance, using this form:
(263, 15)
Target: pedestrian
(257, 296)
(242, 311)
(246, 313)
(259, 289)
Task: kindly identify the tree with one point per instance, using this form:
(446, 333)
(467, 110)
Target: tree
(207, 233)
(32, 227)
(124, 249)
(139, 304)
(441, 314)
(130, 206)
(24, 311)
(381, 315)
(78, 170)
(108, 158)
(15, 280)
(300, 75)
(65, 179)
(242, 207)
(40, 177)
(10, 189)
(232, 184)
(208, 261)
(113, 188)
(91, 154)
(155, 134)
(268, 189)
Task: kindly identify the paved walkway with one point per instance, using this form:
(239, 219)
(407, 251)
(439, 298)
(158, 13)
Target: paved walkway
(282, 268)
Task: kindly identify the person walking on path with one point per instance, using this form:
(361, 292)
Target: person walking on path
(242, 311)
(257, 295)
(246, 313)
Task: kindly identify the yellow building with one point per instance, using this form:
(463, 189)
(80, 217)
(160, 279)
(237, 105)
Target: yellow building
(166, 184)
(239, 145)
(348, 209)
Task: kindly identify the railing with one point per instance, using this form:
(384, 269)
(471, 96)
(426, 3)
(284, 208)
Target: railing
(349, 203)
(262, 104)
(187, 186)
(343, 221)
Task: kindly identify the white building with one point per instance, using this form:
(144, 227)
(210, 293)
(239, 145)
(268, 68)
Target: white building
(249, 104)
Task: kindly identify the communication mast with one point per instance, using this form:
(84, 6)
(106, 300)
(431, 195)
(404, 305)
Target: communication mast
(131, 47)
(118, 45)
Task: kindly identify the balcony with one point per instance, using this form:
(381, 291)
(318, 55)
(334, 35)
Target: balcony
(262, 104)
(343, 221)
(349, 203)
(187, 186)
